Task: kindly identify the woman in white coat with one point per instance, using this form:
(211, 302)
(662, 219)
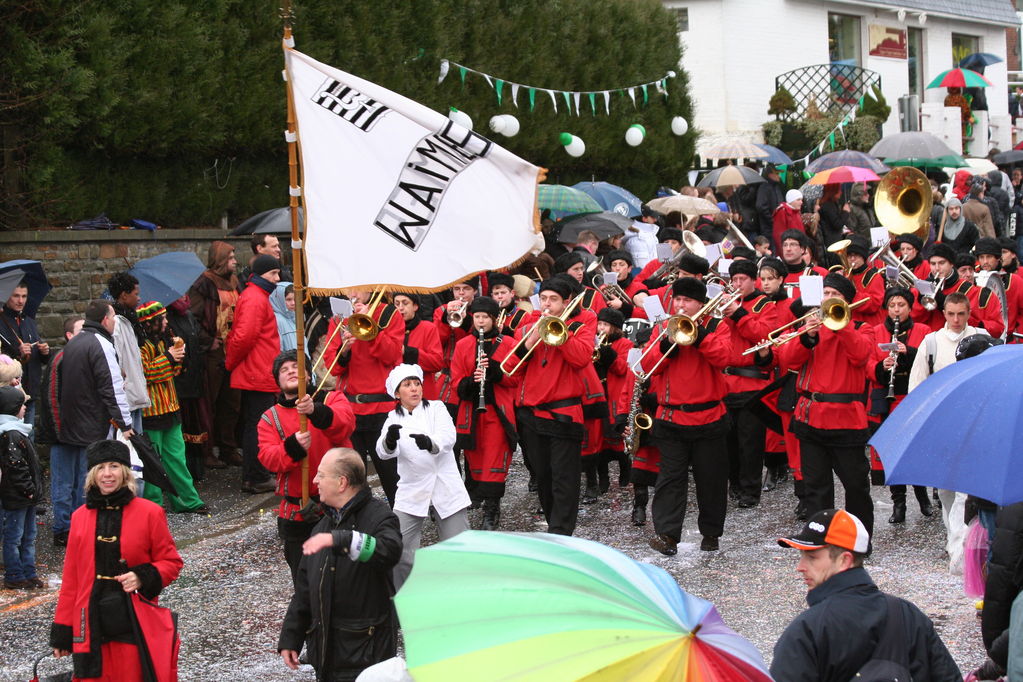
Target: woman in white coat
(421, 435)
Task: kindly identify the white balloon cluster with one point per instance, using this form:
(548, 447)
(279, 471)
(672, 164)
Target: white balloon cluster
(634, 135)
(505, 124)
(461, 118)
(573, 145)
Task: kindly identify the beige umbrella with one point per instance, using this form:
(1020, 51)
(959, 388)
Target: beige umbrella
(684, 204)
(734, 149)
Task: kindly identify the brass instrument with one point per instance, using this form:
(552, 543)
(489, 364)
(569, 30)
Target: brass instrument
(906, 278)
(839, 248)
(930, 302)
(834, 313)
(499, 325)
(598, 341)
(596, 271)
(361, 326)
(733, 237)
(690, 244)
(456, 318)
(903, 202)
(730, 296)
(553, 331)
(681, 329)
(637, 420)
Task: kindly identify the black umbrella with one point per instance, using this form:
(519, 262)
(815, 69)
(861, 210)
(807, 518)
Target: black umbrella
(604, 225)
(274, 221)
(1009, 157)
(153, 472)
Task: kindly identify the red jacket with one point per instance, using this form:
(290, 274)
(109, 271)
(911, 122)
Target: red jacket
(513, 317)
(1014, 297)
(785, 218)
(835, 364)
(330, 426)
(692, 377)
(253, 343)
(499, 390)
(869, 284)
(363, 372)
(422, 347)
(749, 325)
(911, 336)
(791, 282)
(554, 373)
(449, 336)
(147, 548)
(985, 309)
(618, 375)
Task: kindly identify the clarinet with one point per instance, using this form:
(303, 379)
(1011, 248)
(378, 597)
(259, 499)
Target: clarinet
(481, 354)
(894, 355)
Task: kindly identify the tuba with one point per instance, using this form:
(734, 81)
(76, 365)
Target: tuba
(903, 202)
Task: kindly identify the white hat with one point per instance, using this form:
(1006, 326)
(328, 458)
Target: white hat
(793, 195)
(399, 374)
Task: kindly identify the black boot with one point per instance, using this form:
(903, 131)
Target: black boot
(491, 513)
(624, 470)
(639, 505)
(926, 508)
(603, 477)
(898, 493)
(769, 481)
(590, 492)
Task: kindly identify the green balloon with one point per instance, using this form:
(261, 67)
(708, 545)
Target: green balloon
(565, 138)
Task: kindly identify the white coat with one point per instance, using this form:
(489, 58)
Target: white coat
(425, 478)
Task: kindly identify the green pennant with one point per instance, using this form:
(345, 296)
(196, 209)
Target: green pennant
(568, 101)
(807, 174)
(782, 175)
(498, 86)
(532, 99)
(664, 87)
(461, 74)
(593, 103)
(831, 140)
(645, 96)
(859, 105)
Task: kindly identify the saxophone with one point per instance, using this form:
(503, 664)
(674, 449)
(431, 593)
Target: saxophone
(636, 421)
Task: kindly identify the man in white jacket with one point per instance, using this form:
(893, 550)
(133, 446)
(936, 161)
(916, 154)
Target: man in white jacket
(937, 351)
(124, 289)
(421, 435)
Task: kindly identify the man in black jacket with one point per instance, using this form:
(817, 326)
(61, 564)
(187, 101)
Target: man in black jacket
(19, 339)
(846, 621)
(341, 609)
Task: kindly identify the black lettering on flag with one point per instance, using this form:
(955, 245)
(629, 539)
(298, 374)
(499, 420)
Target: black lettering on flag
(351, 105)
(392, 223)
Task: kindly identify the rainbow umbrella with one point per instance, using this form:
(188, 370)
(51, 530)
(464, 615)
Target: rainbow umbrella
(533, 606)
(959, 78)
(834, 176)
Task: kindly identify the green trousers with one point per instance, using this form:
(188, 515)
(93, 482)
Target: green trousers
(171, 447)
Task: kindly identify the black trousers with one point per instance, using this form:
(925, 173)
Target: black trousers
(293, 534)
(254, 404)
(671, 494)
(364, 440)
(746, 448)
(850, 464)
(557, 465)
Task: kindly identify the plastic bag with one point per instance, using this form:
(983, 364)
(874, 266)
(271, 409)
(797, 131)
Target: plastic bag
(975, 559)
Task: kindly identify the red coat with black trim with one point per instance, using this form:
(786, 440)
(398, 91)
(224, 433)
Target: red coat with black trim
(364, 369)
(791, 282)
(593, 300)
(985, 309)
(330, 426)
(253, 343)
(911, 335)
(691, 375)
(449, 336)
(513, 318)
(869, 283)
(750, 324)
(1014, 299)
(661, 293)
(422, 347)
(147, 548)
(499, 388)
(554, 373)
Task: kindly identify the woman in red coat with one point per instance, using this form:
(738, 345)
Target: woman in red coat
(118, 544)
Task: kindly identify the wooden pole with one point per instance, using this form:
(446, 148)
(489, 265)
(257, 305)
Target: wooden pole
(297, 250)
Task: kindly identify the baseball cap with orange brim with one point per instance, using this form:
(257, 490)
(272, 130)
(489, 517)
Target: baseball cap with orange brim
(831, 527)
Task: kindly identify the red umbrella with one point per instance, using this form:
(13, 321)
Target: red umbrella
(834, 176)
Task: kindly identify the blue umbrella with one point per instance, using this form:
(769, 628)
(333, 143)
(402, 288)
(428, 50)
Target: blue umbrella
(612, 197)
(961, 429)
(34, 277)
(774, 155)
(167, 277)
(979, 60)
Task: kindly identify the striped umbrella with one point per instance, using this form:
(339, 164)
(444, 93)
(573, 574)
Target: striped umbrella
(959, 78)
(734, 149)
(563, 200)
(533, 606)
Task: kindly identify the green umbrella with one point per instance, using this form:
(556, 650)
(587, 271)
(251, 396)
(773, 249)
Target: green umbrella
(948, 160)
(563, 200)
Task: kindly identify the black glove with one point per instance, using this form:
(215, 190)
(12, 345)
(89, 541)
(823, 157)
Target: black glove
(989, 671)
(422, 441)
(391, 439)
(312, 512)
(701, 334)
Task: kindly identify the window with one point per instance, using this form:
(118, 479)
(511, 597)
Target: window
(915, 54)
(963, 45)
(844, 39)
(682, 18)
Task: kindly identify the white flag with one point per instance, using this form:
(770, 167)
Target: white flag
(398, 195)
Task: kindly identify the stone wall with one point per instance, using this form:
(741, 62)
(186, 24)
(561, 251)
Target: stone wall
(78, 263)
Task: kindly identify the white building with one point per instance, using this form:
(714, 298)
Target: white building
(733, 50)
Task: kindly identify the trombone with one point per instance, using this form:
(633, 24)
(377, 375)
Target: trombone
(597, 271)
(834, 313)
(553, 331)
(457, 317)
(681, 329)
(361, 326)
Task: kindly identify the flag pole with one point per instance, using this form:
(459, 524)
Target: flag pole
(297, 246)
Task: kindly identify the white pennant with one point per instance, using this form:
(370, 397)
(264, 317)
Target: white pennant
(632, 96)
(444, 66)
(490, 82)
(607, 102)
(577, 95)
(515, 94)
(554, 99)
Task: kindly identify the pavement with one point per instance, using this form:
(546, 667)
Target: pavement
(234, 588)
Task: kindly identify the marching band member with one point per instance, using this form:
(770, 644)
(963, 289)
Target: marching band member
(911, 251)
(795, 250)
(450, 334)
(985, 310)
(551, 403)
(362, 371)
(646, 460)
(868, 280)
(749, 319)
(502, 290)
(486, 436)
(690, 265)
(422, 343)
(572, 265)
(691, 424)
(989, 258)
(619, 261)
(672, 237)
(781, 449)
(885, 380)
(613, 369)
(830, 419)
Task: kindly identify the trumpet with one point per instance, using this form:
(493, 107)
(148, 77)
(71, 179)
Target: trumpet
(457, 317)
(597, 343)
(681, 329)
(553, 331)
(834, 313)
(596, 270)
(929, 302)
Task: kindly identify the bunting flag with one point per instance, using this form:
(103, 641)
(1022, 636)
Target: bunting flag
(393, 191)
(495, 83)
(829, 140)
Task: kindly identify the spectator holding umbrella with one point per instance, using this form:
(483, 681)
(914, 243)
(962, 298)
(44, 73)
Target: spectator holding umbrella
(19, 339)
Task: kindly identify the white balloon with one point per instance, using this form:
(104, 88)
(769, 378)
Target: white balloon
(576, 147)
(679, 125)
(634, 135)
(505, 124)
(461, 118)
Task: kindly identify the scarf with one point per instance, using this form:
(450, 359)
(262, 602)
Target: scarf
(286, 329)
(954, 227)
(94, 499)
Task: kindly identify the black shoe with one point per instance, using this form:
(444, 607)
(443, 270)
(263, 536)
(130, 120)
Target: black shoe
(603, 482)
(532, 483)
(926, 508)
(257, 487)
(201, 509)
(590, 495)
(709, 545)
(17, 585)
(664, 545)
(639, 515)
(734, 492)
(35, 583)
(748, 502)
(60, 539)
(800, 511)
(476, 503)
(898, 513)
(769, 485)
(491, 514)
